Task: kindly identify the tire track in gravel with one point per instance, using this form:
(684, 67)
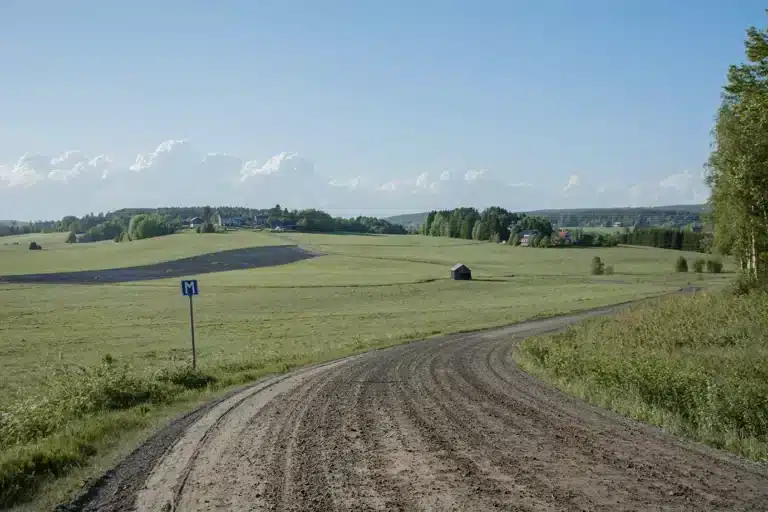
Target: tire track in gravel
(449, 423)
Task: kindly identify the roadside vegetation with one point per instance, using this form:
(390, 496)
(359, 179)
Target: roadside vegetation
(696, 366)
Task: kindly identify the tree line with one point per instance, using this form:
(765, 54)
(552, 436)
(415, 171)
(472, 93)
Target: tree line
(493, 224)
(677, 239)
(137, 223)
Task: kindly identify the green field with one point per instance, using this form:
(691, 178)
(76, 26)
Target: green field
(59, 256)
(365, 292)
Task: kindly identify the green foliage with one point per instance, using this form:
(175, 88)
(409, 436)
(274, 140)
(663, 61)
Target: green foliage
(738, 166)
(746, 284)
(148, 226)
(514, 240)
(34, 246)
(494, 224)
(609, 270)
(714, 266)
(107, 230)
(697, 366)
(698, 265)
(71, 238)
(206, 227)
(665, 238)
(681, 264)
(597, 267)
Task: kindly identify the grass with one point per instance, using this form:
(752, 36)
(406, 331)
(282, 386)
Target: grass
(88, 370)
(59, 256)
(695, 366)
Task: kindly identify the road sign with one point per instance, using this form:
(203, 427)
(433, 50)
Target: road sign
(189, 287)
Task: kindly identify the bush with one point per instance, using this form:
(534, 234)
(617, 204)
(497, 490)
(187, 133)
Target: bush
(544, 242)
(609, 270)
(71, 238)
(597, 268)
(746, 284)
(206, 227)
(681, 265)
(514, 240)
(698, 265)
(34, 246)
(714, 266)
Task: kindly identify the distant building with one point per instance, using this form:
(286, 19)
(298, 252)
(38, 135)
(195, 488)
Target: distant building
(565, 235)
(527, 236)
(195, 221)
(461, 272)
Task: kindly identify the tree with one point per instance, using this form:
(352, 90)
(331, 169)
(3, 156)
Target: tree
(207, 214)
(737, 170)
(72, 238)
(147, 226)
(681, 265)
(597, 268)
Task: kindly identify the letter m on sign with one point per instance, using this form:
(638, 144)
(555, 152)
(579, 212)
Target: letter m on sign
(189, 287)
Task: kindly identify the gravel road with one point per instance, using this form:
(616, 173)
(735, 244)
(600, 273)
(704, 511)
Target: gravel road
(446, 424)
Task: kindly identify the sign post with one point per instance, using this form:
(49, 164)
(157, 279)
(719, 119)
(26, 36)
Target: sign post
(189, 289)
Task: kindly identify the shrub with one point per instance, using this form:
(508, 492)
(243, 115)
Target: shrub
(746, 284)
(544, 242)
(698, 265)
(609, 270)
(34, 246)
(71, 238)
(681, 265)
(206, 227)
(514, 240)
(597, 268)
(714, 266)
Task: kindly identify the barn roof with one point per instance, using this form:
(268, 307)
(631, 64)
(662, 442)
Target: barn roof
(458, 266)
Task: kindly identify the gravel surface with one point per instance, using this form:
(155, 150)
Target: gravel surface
(203, 264)
(449, 423)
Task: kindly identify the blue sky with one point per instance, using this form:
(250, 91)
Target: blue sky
(360, 106)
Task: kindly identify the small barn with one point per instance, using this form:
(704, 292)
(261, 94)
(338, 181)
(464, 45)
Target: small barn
(461, 272)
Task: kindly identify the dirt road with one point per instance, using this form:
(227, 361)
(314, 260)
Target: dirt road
(446, 424)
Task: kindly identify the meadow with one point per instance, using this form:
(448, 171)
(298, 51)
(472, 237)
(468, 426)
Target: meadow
(88, 370)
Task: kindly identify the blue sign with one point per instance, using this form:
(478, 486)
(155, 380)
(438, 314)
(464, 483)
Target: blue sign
(189, 287)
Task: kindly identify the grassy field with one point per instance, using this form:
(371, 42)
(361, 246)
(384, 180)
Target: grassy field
(695, 366)
(87, 370)
(59, 256)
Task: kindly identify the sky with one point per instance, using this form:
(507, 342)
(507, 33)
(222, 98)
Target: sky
(360, 107)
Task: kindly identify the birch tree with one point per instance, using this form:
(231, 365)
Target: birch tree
(738, 165)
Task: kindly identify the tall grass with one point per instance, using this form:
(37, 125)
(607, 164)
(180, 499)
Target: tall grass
(46, 435)
(696, 366)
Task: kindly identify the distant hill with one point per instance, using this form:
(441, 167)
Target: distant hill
(668, 216)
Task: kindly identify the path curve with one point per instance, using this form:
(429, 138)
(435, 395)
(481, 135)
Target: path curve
(449, 423)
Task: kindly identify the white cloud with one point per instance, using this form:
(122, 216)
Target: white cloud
(168, 153)
(474, 175)
(175, 173)
(573, 182)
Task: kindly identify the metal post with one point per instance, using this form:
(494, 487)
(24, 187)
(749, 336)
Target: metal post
(192, 326)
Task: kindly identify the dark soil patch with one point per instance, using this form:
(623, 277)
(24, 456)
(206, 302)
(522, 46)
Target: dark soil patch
(234, 259)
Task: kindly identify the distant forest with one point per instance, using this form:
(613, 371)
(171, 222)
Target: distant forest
(674, 216)
(116, 225)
